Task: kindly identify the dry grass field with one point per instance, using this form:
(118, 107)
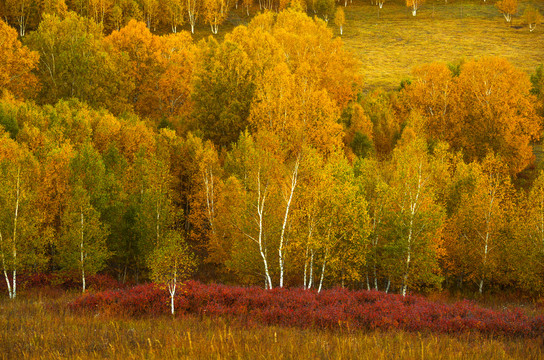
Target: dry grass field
(42, 327)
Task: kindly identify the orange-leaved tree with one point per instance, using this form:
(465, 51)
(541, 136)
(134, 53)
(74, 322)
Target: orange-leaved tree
(508, 8)
(497, 112)
(414, 5)
(16, 63)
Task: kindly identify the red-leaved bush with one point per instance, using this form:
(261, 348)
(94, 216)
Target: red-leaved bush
(336, 308)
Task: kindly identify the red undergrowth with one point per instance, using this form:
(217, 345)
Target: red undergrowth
(332, 309)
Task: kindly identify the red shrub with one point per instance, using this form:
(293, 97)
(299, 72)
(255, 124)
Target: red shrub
(335, 308)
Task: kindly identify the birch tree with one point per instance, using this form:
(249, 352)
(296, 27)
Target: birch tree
(20, 247)
(171, 263)
(21, 11)
(82, 245)
(497, 112)
(252, 167)
(215, 12)
(532, 17)
(83, 239)
(414, 5)
(480, 218)
(194, 8)
(372, 180)
(174, 10)
(100, 9)
(508, 8)
(526, 250)
(340, 19)
(417, 218)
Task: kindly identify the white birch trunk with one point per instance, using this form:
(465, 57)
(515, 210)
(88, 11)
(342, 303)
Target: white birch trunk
(323, 271)
(260, 212)
(294, 178)
(486, 237)
(172, 291)
(4, 267)
(414, 205)
(310, 283)
(14, 280)
(306, 256)
(82, 252)
(208, 182)
(192, 12)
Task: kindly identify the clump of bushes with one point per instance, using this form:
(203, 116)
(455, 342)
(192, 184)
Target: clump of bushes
(330, 309)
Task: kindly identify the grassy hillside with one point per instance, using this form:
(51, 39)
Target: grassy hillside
(389, 46)
(390, 42)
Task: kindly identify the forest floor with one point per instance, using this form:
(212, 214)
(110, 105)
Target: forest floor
(389, 42)
(42, 326)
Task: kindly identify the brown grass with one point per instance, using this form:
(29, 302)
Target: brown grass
(39, 327)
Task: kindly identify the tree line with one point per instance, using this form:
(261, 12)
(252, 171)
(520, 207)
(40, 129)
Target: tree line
(165, 16)
(261, 159)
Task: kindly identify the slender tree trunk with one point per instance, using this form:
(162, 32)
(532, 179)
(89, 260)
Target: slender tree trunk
(307, 282)
(208, 182)
(408, 257)
(311, 269)
(16, 217)
(323, 271)
(260, 211)
(486, 238)
(4, 267)
(486, 251)
(82, 253)
(294, 178)
(414, 204)
(172, 290)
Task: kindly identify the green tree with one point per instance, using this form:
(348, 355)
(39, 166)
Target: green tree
(171, 262)
(21, 246)
(83, 237)
(223, 91)
(414, 217)
(75, 62)
(478, 226)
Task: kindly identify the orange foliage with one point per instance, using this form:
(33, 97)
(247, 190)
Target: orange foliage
(16, 63)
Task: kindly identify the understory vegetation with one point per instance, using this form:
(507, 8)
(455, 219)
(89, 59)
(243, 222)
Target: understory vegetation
(330, 309)
(40, 325)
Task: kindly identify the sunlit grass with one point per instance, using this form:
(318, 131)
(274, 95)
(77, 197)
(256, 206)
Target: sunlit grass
(39, 327)
(391, 45)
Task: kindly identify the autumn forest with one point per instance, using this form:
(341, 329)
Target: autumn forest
(131, 148)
